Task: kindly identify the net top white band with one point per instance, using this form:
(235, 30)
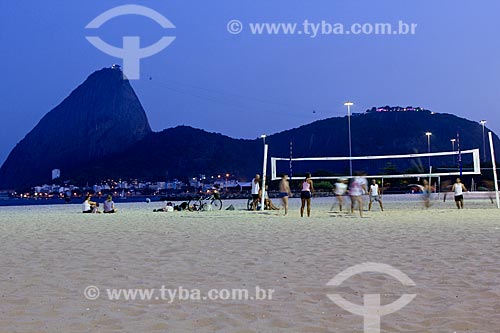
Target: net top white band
(474, 152)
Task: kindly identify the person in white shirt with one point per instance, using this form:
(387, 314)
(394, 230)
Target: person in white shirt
(459, 189)
(255, 191)
(356, 190)
(375, 195)
(90, 206)
(340, 191)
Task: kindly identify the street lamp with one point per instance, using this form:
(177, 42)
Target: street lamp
(453, 148)
(482, 122)
(263, 137)
(429, 147)
(349, 104)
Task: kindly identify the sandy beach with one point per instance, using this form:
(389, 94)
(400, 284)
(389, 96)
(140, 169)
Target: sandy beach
(51, 254)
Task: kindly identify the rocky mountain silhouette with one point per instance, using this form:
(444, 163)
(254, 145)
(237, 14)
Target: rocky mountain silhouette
(102, 116)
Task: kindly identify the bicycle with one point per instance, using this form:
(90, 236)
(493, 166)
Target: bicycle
(209, 202)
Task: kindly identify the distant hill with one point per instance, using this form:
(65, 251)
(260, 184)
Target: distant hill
(101, 131)
(179, 152)
(183, 152)
(380, 133)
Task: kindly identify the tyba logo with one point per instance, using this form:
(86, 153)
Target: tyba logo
(131, 51)
(372, 310)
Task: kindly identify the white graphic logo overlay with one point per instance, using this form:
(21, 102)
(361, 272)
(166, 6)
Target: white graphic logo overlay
(372, 310)
(131, 52)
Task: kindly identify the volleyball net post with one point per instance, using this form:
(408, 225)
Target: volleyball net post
(494, 164)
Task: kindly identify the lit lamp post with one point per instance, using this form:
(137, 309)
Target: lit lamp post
(428, 134)
(453, 148)
(264, 171)
(349, 104)
(483, 122)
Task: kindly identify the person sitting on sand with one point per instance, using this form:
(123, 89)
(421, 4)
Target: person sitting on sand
(268, 204)
(90, 206)
(109, 206)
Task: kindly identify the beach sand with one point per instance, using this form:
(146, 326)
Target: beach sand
(51, 254)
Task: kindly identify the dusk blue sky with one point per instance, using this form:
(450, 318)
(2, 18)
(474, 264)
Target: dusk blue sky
(245, 85)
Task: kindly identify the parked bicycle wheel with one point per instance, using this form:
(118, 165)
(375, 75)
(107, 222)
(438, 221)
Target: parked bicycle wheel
(216, 204)
(194, 205)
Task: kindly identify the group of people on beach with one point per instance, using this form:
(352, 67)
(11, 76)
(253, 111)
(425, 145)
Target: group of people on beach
(92, 207)
(357, 188)
(458, 189)
(257, 195)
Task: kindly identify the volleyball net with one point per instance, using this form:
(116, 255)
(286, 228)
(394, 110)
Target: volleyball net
(438, 164)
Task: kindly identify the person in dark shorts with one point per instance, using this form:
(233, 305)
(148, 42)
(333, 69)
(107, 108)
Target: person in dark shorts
(306, 194)
(285, 192)
(256, 192)
(459, 189)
